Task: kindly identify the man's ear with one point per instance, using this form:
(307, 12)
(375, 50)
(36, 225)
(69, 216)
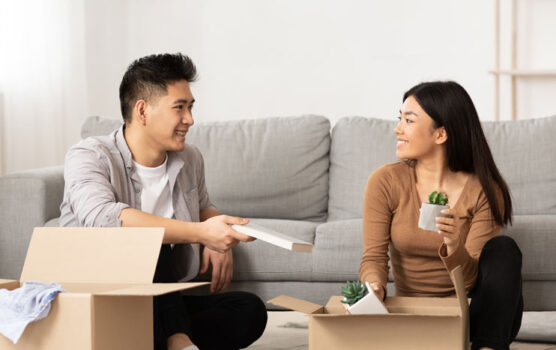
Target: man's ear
(139, 111)
(440, 135)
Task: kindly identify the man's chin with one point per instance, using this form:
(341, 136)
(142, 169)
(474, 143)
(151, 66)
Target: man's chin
(177, 147)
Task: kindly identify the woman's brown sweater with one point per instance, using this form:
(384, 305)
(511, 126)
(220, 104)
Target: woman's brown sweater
(419, 260)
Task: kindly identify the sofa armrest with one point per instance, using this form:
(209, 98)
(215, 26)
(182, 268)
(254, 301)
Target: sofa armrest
(27, 199)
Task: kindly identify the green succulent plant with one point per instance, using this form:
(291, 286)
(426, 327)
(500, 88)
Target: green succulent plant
(352, 292)
(438, 198)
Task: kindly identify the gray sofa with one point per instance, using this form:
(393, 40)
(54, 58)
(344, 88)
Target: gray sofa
(298, 176)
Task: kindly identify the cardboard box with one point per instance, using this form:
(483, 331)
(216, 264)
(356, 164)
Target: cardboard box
(413, 323)
(107, 273)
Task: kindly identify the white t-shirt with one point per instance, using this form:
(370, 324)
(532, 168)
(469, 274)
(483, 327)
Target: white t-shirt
(156, 196)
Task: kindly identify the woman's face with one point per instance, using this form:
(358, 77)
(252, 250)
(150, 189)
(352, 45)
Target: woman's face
(417, 138)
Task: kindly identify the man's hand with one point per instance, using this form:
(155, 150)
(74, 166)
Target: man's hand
(218, 235)
(222, 268)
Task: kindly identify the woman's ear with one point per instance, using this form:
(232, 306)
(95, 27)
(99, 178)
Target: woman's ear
(440, 135)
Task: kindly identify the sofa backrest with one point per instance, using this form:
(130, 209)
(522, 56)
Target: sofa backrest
(359, 146)
(523, 150)
(525, 153)
(266, 168)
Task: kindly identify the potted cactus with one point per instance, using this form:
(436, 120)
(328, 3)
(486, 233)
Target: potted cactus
(430, 211)
(360, 299)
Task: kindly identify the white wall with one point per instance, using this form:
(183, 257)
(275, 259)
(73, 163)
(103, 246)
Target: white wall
(259, 58)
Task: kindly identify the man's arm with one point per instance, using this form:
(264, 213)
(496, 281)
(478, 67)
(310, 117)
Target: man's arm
(215, 232)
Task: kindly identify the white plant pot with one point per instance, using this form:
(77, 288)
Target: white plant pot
(429, 213)
(369, 304)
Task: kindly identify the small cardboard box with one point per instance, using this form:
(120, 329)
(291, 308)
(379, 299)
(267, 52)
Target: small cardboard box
(107, 274)
(413, 323)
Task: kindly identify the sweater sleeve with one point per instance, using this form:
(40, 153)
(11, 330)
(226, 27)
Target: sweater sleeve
(377, 216)
(483, 227)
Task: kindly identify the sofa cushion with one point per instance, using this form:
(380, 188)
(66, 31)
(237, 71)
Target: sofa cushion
(359, 146)
(525, 153)
(262, 261)
(538, 327)
(338, 250)
(536, 237)
(98, 126)
(267, 168)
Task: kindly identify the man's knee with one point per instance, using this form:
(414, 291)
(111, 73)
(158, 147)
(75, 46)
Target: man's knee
(254, 317)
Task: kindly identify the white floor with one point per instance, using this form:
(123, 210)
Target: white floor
(288, 330)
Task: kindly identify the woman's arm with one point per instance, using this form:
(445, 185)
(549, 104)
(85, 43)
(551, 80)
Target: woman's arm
(377, 216)
(465, 252)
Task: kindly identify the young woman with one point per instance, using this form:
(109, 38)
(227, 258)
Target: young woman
(443, 148)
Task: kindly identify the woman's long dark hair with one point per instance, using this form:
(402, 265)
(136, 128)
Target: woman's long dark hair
(449, 105)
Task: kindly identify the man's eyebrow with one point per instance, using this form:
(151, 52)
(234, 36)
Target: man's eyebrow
(184, 101)
(409, 113)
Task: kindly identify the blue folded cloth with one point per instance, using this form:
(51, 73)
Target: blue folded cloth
(21, 306)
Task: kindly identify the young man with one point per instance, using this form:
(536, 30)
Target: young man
(144, 175)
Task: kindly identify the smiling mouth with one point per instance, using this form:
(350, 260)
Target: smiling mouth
(401, 142)
(181, 133)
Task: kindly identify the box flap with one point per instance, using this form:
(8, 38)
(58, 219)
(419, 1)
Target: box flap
(9, 284)
(296, 305)
(83, 254)
(457, 279)
(153, 289)
(459, 285)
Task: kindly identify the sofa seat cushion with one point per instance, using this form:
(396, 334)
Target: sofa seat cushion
(536, 237)
(338, 250)
(262, 261)
(267, 168)
(538, 327)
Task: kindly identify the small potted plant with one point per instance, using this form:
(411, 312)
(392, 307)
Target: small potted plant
(430, 211)
(360, 299)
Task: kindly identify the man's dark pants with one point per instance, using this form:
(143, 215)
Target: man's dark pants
(221, 321)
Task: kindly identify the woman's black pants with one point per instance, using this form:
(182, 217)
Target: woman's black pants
(496, 299)
(221, 321)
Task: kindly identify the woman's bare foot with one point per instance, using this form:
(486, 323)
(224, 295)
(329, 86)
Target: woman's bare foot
(178, 341)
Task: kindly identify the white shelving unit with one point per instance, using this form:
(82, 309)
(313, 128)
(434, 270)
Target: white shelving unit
(514, 72)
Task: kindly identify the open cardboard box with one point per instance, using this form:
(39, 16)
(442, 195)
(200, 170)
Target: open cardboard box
(413, 323)
(107, 274)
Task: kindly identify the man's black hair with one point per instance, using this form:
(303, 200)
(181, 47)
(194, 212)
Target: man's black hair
(149, 76)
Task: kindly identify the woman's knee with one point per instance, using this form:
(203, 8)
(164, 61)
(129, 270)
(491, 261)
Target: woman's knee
(502, 247)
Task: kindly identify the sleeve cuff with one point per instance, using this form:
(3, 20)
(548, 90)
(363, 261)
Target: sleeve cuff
(375, 278)
(456, 258)
(114, 220)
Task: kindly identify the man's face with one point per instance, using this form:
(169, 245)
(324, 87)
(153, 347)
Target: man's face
(168, 118)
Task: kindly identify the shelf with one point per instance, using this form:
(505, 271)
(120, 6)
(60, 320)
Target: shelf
(525, 72)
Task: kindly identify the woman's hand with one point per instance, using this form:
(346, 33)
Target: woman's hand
(447, 228)
(378, 289)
